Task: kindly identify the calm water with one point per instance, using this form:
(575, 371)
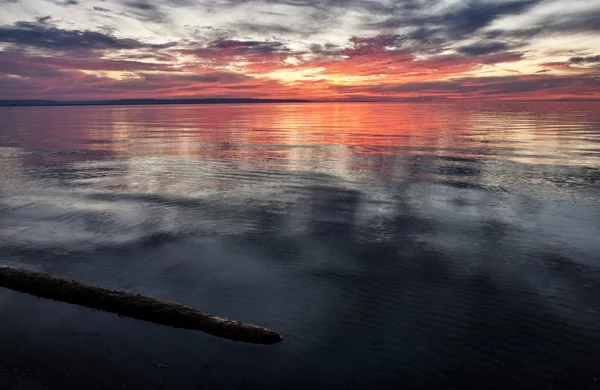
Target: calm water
(425, 246)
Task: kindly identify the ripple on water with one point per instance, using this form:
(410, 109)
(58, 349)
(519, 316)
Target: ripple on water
(421, 246)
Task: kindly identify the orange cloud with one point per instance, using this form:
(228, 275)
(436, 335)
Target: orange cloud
(370, 68)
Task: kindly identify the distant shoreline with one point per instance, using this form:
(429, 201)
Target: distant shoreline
(143, 102)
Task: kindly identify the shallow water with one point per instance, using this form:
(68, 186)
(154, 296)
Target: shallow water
(434, 246)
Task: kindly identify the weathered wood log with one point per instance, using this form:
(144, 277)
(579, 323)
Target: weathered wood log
(131, 305)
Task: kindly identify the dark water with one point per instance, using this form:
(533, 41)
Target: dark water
(425, 246)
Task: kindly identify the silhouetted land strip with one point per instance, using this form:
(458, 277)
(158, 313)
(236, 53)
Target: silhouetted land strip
(131, 305)
(126, 102)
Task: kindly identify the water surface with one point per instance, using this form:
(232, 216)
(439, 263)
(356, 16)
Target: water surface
(425, 246)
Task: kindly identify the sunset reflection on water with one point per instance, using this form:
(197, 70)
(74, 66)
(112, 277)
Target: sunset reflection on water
(458, 240)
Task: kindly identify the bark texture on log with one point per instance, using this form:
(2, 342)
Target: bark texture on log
(131, 305)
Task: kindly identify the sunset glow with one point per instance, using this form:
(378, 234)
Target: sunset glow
(415, 50)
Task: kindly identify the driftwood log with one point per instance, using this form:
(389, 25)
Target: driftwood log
(132, 305)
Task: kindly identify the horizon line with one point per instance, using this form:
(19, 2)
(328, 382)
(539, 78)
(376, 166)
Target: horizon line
(231, 100)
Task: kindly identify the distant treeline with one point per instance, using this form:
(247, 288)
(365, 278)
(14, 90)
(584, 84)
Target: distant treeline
(124, 102)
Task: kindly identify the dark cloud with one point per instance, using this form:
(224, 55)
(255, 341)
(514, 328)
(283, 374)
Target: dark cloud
(266, 28)
(585, 60)
(478, 14)
(21, 64)
(327, 48)
(73, 84)
(499, 57)
(373, 45)
(66, 3)
(155, 56)
(579, 60)
(154, 11)
(426, 35)
(318, 14)
(431, 30)
(556, 24)
(44, 19)
(243, 47)
(257, 56)
(370, 6)
(30, 70)
(483, 48)
(272, 13)
(146, 11)
(141, 5)
(491, 58)
(472, 16)
(36, 35)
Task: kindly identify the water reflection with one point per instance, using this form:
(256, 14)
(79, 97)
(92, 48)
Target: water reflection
(416, 245)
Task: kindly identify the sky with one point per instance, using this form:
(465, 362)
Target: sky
(405, 50)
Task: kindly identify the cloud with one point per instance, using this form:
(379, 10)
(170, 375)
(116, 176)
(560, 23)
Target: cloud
(480, 14)
(426, 36)
(467, 18)
(326, 48)
(371, 6)
(44, 19)
(38, 35)
(525, 87)
(346, 48)
(209, 78)
(483, 48)
(66, 3)
(154, 11)
(243, 47)
(555, 65)
(585, 60)
(266, 28)
(101, 9)
(141, 5)
(257, 56)
(61, 84)
(577, 61)
(579, 22)
(21, 64)
(373, 45)
(144, 10)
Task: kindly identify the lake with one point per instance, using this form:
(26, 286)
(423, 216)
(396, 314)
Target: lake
(393, 245)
